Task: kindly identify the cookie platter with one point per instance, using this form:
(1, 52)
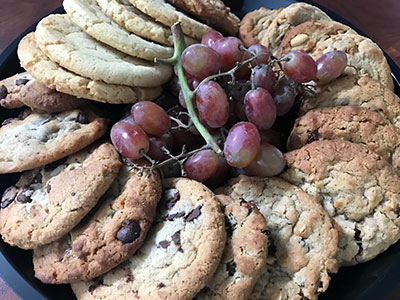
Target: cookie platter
(371, 280)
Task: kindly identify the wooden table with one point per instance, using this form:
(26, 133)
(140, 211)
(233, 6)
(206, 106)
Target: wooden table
(380, 20)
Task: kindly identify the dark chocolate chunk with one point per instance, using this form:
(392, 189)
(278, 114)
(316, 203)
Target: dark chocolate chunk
(21, 81)
(3, 92)
(8, 196)
(164, 244)
(247, 205)
(231, 267)
(265, 232)
(271, 247)
(73, 194)
(130, 277)
(96, 282)
(48, 188)
(175, 216)
(160, 285)
(176, 238)
(228, 227)
(194, 214)
(170, 197)
(25, 196)
(397, 210)
(313, 136)
(129, 231)
(82, 118)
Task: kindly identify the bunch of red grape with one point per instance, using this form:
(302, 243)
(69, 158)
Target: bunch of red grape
(239, 93)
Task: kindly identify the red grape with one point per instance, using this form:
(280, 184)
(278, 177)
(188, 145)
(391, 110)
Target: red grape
(268, 162)
(209, 38)
(264, 77)
(261, 50)
(201, 165)
(284, 96)
(200, 61)
(271, 137)
(260, 108)
(129, 139)
(331, 65)
(242, 144)
(151, 118)
(220, 175)
(212, 104)
(299, 66)
(155, 152)
(228, 49)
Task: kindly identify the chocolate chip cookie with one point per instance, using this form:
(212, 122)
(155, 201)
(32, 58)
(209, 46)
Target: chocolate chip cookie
(180, 254)
(357, 187)
(23, 90)
(245, 253)
(350, 123)
(302, 238)
(34, 140)
(47, 202)
(110, 234)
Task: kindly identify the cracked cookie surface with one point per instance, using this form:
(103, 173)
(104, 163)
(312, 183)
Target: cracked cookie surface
(110, 234)
(55, 77)
(34, 140)
(302, 238)
(359, 190)
(47, 202)
(66, 44)
(88, 15)
(245, 253)
(167, 14)
(350, 123)
(133, 20)
(286, 19)
(180, 254)
(358, 91)
(362, 53)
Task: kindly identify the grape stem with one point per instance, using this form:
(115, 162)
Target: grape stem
(179, 46)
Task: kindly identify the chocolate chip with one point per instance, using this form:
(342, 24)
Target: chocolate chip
(129, 231)
(96, 283)
(175, 216)
(176, 238)
(194, 214)
(164, 244)
(231, 267)
(170, 197)
(3, 92)
(160, 285)
(265, 232)
(7, 121)
(230, 224)
(73, 194)
(271, 247)
(8, 196)
(130, 277)
(25, 196)
(397, 210)
(82, 118)
(65, 253)
(21, 81)
(313, 136)
(247, 205)
(48, 188)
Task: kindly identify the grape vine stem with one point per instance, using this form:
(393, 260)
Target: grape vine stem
(179, 46)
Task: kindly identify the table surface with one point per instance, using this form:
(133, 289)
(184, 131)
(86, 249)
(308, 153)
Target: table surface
(380, 20)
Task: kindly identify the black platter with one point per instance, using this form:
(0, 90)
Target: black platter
(375, 279)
